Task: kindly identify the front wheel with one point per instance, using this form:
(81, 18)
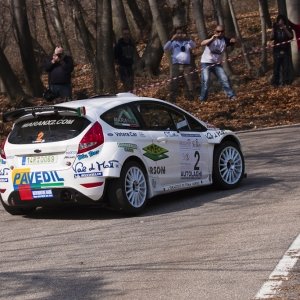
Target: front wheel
(129, 192)
(228, 165)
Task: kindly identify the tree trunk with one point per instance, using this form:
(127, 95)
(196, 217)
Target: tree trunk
(10, 81)
(282, 7)
(157, 20)
(293, 10)
(109, 80)
(197, 7)
(179, 12)
(229, 22)
(85, 35)
(266, 13)
(151, 59)
(136, 19)
(59, 28)
(44, 16)
(263, 59)
(31, 71)
(119, 18)
(98, 74)
(238, 34)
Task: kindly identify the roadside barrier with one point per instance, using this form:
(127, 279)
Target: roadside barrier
(255, 51)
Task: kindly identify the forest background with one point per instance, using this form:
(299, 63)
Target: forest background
(88, 30)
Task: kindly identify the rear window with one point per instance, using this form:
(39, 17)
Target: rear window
(47, 129)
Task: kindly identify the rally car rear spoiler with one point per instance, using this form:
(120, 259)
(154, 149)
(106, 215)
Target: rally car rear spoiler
(18, 113)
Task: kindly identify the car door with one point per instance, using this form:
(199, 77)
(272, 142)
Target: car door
(164, 148)
(194, 151)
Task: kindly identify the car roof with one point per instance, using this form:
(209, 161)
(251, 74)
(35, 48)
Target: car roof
(105, 102)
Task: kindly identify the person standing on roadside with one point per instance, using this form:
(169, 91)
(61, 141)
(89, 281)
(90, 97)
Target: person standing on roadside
(282, 68)
(124, 56)
(211, 62)
(59, 69)
(180, 47)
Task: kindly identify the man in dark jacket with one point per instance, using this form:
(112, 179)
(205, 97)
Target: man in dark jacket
(124, 56)
(59, 69)
(281, 36)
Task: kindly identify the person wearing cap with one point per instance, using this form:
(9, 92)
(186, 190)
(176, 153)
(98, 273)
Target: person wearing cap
(59, 68)
(211, 62)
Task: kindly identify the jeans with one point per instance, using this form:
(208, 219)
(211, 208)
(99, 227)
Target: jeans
(127, 77)
(218, 70)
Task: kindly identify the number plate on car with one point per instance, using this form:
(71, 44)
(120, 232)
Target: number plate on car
(39, 160)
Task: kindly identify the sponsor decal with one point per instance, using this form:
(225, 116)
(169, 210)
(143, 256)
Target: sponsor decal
(3, 179)
(157, 170)
(155, 152)
(87, 155)
(214, 134)
(39, 138)
(182, 185)
(110, 134)
(48, 122)
(195, 174)
(36, 180)
(42, 194)
(190, 134)
(130, 133)
(4, 171)
(128, 147)
(170, 133)
(2, 161)
(83, 175)
(97, 167)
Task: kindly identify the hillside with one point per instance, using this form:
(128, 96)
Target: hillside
(259, 104)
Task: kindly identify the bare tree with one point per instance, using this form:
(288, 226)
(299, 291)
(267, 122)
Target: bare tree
(47, 30)
(262, 15)
(119, 17)
(31, 72)
(10, 81)
(59, 28)
(293, 10)
(197, 7)
(105, 45)
(238, 34)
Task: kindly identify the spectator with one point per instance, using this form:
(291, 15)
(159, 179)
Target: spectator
(211, 62)
(124, 56)
(282, 57)
(180, 47)
(60, 68)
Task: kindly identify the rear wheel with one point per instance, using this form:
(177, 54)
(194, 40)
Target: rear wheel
(15, 211)
(129, 192)
(228, 165)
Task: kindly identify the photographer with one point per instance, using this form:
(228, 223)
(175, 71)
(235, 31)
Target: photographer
(281, 36)
(180, 47)
(59, 69)
(211, 62)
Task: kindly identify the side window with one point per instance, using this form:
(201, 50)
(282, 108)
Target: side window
(155, 116)
(195, 125)
(121, 117)
(180, 122)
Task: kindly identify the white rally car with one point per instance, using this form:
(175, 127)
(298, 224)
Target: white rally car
(120, 150)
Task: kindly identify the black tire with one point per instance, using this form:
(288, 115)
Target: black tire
(17, 211)
(228, 165)
(129, 192)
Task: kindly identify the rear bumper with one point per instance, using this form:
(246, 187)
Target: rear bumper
(46, 198)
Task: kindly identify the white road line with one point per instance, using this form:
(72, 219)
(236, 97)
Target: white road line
(281, 271)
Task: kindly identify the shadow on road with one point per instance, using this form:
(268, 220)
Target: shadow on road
(163, 204)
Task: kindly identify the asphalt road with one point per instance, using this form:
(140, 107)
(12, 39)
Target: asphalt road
(201, 244)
